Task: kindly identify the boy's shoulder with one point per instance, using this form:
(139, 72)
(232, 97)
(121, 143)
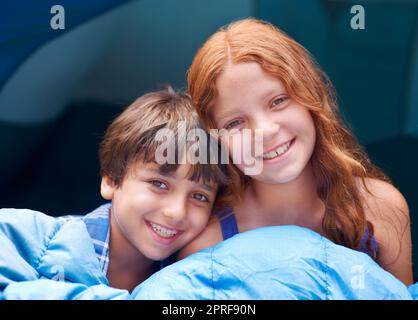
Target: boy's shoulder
(34, 227)
(100, 214)
(33, 222)
(34, 244)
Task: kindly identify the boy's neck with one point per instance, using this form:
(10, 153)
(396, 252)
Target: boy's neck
(128, 267)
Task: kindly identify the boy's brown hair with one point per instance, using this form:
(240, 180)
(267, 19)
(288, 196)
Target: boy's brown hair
(131, 137)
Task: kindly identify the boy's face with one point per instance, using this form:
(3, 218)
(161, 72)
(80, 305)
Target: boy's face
(157, 213)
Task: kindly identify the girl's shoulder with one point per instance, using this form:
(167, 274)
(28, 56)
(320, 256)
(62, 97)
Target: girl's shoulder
(381, 199)
(386, 208)
(209, 237)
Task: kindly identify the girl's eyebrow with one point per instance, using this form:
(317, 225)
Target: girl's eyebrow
(273, 92)
(267, 95)
(226, 115)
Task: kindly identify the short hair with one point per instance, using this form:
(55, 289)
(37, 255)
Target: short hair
(131, 138)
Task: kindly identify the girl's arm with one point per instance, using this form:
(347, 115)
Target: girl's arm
(209, 237)
(387, 209)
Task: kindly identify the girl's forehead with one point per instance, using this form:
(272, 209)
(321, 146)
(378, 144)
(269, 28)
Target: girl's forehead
(243, 84)
(247, 78)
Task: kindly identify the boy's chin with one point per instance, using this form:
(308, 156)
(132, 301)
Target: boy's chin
(158, 256)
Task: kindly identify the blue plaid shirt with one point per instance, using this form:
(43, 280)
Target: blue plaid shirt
(98, 226)
(97, 223)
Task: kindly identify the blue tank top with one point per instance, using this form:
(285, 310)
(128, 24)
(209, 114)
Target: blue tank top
(229, 228)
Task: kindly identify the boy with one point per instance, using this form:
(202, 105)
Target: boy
(155, 209)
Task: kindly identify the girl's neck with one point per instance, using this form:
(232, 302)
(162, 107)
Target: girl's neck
(128, 267)
(295, 202)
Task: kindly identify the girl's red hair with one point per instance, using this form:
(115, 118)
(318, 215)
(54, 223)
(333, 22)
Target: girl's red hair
(338, 160)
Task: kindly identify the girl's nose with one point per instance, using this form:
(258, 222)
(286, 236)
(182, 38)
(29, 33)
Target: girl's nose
(266, 126)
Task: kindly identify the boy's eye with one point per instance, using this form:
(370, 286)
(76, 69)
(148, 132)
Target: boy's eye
(159, 184)
(278, 101)
(232, 124)
(200, 197)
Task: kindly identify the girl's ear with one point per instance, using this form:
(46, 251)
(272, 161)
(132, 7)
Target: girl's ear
(107, 188)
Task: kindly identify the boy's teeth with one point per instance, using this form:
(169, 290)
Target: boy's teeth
(279, 151)
(163, 232)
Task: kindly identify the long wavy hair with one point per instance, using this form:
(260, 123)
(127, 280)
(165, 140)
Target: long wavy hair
(338, 160)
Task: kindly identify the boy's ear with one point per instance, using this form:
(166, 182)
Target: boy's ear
(107, 188)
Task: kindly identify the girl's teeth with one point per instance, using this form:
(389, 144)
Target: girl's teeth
(279, 151)
(163, 232)
(271, 154)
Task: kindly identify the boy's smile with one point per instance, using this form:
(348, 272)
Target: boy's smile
(163, 234)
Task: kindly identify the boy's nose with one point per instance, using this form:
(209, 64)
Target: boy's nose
(175, 211)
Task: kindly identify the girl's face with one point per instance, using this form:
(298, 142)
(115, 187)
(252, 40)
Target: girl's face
(250, 98)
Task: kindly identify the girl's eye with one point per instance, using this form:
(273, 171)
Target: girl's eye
(279, 101)
(232, 124)
(200, 197)
(159, 184)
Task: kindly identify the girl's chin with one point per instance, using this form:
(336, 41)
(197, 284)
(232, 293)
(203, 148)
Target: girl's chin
(275, 179)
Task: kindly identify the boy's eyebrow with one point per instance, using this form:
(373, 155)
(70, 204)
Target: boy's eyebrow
(206, 187)
(173, 175)
(166, 174)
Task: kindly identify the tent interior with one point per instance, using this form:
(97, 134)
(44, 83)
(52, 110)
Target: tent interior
(59, 89)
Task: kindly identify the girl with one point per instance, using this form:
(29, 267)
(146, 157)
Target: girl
(250, 75)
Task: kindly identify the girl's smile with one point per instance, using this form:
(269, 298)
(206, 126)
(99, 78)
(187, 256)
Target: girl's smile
(250, 98)
(278, 153)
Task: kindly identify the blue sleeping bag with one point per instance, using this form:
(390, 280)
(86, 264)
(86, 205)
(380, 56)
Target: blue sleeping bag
(283, 262)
